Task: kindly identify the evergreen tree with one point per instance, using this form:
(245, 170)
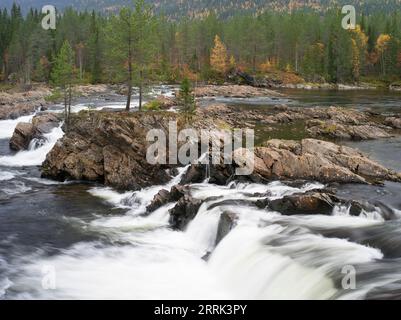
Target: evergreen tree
(63, 75)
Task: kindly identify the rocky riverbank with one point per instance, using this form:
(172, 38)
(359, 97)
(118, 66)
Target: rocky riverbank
(16, 104)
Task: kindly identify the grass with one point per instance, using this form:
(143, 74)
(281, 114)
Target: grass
(152, 106)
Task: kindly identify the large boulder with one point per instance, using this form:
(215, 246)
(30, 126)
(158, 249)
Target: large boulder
(305, 204)
(24, 133)
(22, 136)
(184, 212)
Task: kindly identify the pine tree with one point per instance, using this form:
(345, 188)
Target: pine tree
(186, 97)
(63, 75)
(131, 38)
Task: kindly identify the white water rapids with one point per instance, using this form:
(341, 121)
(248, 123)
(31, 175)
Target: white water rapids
(266, 255)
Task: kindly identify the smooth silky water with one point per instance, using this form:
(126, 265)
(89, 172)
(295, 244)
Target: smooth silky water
(100, 244)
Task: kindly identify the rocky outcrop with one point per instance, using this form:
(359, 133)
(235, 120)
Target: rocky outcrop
(24, 133)
(111, 147)
(335, 130)
(17, 104)
(310, 159)
(234, 91)
(320, 122)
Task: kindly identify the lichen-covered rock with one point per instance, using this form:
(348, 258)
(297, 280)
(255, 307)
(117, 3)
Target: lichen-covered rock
(313, 159)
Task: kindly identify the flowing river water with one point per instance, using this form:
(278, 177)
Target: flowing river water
(95, 243)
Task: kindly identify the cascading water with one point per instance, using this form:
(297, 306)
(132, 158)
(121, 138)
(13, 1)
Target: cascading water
(35, 155)
(115, 250)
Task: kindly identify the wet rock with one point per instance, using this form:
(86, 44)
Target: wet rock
(184, 211)
(227, 222)
(22, 136)
(24, 133)
(305, 204)
(164, 197)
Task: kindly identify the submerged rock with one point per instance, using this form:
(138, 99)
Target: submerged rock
(226, 224)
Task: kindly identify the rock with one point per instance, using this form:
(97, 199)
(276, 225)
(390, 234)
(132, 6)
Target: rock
(24, 133)
(22, 136)
(226, 224)
(111, 148)
(17, 104)
(335, 130)
(305, 204)
(313, 160)
(160, 199)
(195, 174)
(184, 211)
(164, 197)
(234, 91)
(393, 122)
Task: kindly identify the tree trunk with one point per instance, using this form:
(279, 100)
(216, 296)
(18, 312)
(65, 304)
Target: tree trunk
(129, 84)
(140, 89)
(65, 109)
(69, 103)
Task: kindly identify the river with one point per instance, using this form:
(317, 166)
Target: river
(94, 243)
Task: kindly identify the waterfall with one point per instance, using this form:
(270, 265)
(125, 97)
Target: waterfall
(7, 127)
(36, 155)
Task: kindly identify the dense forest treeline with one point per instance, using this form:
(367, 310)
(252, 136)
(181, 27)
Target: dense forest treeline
(153, 48)
(176, 9)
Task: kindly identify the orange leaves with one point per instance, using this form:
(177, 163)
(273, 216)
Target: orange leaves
(382, 42)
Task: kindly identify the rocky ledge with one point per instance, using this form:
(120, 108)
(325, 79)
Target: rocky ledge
(111, 148)
(316, 160)
(317, 122)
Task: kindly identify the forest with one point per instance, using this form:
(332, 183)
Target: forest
(142, 46)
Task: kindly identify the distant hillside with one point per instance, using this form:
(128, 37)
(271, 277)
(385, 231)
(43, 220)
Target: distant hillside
(224, 8)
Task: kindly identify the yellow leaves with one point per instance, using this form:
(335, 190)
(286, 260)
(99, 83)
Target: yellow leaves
(382, 42)
(218, 57)
(233, 63)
